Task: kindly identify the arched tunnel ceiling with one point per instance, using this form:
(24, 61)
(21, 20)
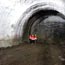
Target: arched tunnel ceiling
(40, 16)
(13, 15)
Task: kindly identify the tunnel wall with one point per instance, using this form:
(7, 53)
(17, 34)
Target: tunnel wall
(15, 13)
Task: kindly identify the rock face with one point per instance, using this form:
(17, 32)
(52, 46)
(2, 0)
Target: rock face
(15, 14)
(52, 28)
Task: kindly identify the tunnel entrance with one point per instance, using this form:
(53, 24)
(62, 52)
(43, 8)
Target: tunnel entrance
(46, 24)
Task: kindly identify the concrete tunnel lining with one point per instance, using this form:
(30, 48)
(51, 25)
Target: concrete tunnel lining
(40, 14)
(16, 18)
(29, 12)
(23, 20)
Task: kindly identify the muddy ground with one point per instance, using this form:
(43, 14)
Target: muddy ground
(33, 54)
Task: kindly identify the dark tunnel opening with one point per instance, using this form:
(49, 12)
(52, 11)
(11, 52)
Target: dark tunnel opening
(44, 30)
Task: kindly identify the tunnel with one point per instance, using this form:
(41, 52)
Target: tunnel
(46, 24)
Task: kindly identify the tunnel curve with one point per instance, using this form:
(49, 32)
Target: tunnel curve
(40, 15)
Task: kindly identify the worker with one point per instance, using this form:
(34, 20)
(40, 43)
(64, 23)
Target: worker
(32, 38)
